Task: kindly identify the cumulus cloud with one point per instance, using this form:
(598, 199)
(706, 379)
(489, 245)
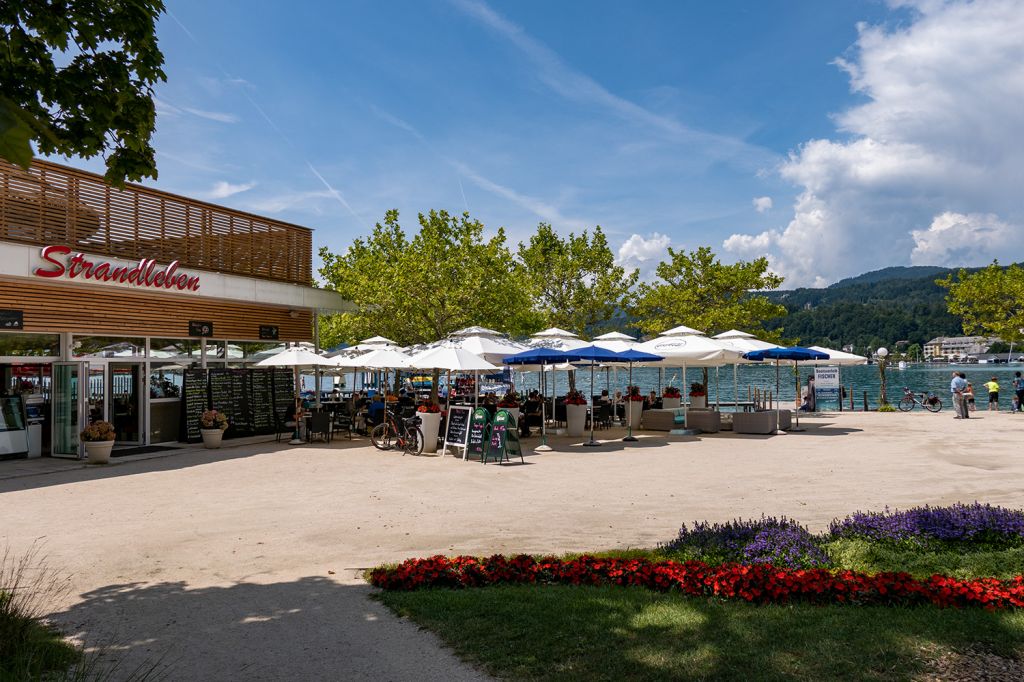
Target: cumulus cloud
(223, 190)
(762, 204)
(928, 167)
(958, 239)
(644, 253)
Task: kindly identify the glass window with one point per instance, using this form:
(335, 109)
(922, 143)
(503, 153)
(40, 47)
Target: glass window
(29, 345)
(174, 348)
(108, 347)
(165, 381)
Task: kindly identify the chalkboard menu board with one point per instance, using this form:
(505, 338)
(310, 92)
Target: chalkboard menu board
(284, 391)
(457, 427)
(229, 393)
(478, 427)
(193, 402)
(261, 400)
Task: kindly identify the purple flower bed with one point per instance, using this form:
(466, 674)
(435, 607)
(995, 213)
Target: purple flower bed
(976, 523)
(768, 540)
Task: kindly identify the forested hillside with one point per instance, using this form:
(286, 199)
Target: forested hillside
(873, 309)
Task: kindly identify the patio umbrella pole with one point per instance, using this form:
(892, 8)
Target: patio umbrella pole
(735, 388)
(296, 439)
(627, 403)
(543, 447)
(718, 403)
(796, 367)
(593, 407)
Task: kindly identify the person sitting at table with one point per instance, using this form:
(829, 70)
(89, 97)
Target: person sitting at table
(531, 414)
(375, 412)
(604, 397)
(293, 415)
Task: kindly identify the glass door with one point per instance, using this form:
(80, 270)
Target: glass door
(70, 407)
(126, 401)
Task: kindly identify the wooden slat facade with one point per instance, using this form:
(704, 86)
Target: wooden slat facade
(54, 204)
(107, 311)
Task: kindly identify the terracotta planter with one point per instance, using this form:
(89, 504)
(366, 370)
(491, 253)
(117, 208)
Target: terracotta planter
(670, 403)
(698, 402)
(634, 410)
(98, 451)
(212, 438)
(430, 424)
(576, 419)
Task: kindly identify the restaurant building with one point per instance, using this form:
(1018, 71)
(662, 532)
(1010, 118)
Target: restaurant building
(110, 297)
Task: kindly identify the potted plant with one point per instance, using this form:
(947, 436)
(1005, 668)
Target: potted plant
(99, 441)
(429, 413)
(698, 396)
(510, 402)
(671, 397)
(634, 406)
(575, 413)
(212, 425)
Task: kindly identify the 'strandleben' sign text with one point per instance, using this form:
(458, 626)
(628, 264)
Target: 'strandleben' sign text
(60, 263)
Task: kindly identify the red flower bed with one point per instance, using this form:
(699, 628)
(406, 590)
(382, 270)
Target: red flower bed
(760, 583)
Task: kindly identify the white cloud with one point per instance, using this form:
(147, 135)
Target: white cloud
(223, 190)
(218, 116)
(939, 135)
(644, 253)
(762, 204)
(958, 239)
(309, 201)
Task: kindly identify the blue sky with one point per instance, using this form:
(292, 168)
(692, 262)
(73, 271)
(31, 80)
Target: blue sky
(661, 121)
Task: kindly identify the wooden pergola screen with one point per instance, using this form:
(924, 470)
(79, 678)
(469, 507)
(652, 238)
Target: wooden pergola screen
(54, 204)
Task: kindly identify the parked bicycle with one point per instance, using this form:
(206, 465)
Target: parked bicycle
(402, 433)
(928, 401)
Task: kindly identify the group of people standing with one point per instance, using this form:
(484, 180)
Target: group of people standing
(963, 394)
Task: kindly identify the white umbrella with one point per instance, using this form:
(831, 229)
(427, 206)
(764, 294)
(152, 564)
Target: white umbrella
(382, 358)
(556, 339)
(451, 359)
(741, 342)
(837, 357)
(682, 330)
(295, 357)
(617, 342)
(374, 343)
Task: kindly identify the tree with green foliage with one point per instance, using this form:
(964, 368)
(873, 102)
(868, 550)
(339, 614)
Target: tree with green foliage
(574, 283)
(78, 79)
(989, 301)
(420, 289)
(698, 290)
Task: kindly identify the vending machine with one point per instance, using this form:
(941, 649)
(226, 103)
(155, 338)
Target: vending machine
(13, 432)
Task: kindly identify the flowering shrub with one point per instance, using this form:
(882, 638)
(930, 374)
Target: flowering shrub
(697, 390)
(429, 407)
(633, 394)
(760, 583)
(98, 431)
(213, 419)
(781, 542)
(979, 523)
(575, 398)
(671, 392)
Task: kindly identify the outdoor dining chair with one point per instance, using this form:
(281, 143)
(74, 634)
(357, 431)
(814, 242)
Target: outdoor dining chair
(319, 425)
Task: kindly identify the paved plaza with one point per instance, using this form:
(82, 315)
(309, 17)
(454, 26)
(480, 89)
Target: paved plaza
(245, 561)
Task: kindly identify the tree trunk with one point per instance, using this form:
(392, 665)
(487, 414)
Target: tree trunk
(436, 378)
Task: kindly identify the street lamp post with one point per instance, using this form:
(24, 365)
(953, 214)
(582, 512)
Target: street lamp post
(883, 354)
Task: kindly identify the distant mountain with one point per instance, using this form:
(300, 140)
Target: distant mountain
(870, 310)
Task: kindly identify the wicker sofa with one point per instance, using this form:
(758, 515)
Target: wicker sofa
(764, 422)
(706, 421)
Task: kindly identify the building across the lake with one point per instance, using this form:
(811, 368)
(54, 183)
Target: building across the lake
(109, 297)
(956, 347)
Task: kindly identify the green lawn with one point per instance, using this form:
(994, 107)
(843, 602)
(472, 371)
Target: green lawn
(613, 633)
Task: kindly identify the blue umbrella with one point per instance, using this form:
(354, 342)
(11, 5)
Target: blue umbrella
(539, 356)
(596, 354)
(794, 353)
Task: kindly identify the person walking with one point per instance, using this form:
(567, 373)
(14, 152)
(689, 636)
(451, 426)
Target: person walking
(957, 386)
(993, 394)
(969, 397)
(1018, 388)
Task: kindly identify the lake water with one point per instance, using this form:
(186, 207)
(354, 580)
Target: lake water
(856, 379)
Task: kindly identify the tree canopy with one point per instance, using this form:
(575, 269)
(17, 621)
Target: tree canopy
(989, 301)
(77, 80)
(574, 283)
(698, 290)
(446, 277)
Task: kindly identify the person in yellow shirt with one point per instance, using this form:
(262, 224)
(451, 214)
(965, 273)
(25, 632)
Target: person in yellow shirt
(993, 394)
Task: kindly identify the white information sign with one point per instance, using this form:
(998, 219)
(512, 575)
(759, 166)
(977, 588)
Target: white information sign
(826, 383)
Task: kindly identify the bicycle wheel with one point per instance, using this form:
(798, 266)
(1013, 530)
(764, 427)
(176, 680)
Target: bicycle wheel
(383, 436)
(414, 441)
(907, 404)
(933, 407)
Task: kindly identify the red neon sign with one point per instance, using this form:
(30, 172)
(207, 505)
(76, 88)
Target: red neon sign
(145, 274)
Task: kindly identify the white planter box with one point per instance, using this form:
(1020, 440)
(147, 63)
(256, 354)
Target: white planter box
(670, 403)
(99, 451)
(212, 438)
(576, 419)
(698, 401)
(430, 422)
(634, 410)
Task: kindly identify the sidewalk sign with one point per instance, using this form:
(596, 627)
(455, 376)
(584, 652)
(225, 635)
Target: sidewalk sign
(456, 429)
(504, 439)
(826, 383)
(479, 431)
